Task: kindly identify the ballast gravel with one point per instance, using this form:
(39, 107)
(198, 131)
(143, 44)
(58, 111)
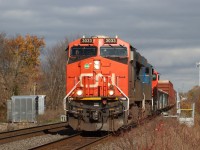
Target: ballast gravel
(31, 142)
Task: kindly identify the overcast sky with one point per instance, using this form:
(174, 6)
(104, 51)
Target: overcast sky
(166, 32)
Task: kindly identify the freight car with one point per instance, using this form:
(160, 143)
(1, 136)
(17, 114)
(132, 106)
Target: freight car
(163, 93)
(108, 84)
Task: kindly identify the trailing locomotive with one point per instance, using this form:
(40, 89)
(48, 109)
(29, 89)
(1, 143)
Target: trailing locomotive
(108, 84)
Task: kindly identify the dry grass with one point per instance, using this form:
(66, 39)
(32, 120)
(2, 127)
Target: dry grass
(162, 133)
(50, 116)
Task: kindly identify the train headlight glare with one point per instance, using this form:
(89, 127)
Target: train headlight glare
(111, 92)
(97, 64)
(79, 92)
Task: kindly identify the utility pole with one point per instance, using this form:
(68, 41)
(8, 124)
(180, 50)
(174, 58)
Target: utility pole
(198, 66)
(34, 88)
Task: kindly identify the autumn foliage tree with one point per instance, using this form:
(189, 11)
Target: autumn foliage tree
(19, 64)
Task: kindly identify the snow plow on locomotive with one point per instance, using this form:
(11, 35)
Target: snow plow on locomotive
(108, 84)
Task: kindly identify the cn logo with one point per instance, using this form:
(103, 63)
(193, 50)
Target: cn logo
(96, 84)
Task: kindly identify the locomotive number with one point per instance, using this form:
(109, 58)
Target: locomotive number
(110, 41)
(86, 40)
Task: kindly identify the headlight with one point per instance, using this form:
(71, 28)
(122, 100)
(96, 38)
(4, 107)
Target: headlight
(111, 92)
(79, 92)
(97, 64)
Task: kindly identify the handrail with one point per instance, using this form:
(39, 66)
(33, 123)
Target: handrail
(64, 100)
(124, 96)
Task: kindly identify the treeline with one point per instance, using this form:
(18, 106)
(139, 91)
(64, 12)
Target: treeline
(27, 67)
(193, 95)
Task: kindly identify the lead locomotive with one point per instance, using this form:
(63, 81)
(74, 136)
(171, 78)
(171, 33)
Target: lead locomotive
(108, 84)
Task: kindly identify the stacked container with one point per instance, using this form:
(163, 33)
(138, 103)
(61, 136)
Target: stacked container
(167, 86)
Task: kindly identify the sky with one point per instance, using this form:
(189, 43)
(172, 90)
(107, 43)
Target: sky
(166, 32)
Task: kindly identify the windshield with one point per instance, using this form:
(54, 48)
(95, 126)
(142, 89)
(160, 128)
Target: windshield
(83, 51)
(154, 77)
(113, 51)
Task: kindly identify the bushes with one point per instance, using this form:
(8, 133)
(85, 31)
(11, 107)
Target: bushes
(50, 116)
(162, 133)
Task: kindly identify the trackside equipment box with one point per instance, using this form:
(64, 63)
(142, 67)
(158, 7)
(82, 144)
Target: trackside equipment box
(25, 108)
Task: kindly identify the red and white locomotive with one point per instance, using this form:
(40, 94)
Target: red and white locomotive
(108, 84)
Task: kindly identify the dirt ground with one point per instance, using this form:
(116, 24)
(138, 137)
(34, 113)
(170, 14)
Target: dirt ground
(15, 126)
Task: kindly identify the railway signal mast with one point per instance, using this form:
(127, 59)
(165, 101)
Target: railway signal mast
(198, 66)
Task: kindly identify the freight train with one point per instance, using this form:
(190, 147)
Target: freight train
(109, 85)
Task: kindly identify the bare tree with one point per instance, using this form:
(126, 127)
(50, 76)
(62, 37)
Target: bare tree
(53, 83)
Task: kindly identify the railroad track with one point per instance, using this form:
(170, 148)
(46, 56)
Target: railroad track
(10, 136)
(84, 141)
(78, 141)
(74, 142)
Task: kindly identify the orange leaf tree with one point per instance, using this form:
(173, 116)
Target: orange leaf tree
(21, 62)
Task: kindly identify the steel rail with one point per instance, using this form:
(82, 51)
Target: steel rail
(74, 142)
(56, 144)
(88, 145)
(10, 136)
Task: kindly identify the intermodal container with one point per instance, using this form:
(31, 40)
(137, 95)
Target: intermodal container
(167, 86)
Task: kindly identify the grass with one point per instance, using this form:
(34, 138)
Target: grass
(50, 116)
(162, 133)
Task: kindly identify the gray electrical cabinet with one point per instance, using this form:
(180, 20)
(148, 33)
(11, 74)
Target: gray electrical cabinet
(25, 108)
(41, 104)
